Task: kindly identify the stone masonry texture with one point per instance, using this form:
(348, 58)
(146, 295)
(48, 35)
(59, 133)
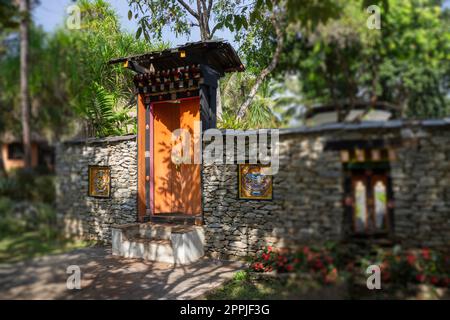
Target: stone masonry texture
(90, 217)
(308, 191)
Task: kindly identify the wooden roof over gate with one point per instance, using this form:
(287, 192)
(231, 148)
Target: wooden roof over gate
(219, 55)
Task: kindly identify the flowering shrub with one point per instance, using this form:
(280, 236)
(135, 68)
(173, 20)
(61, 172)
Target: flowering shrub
(397, 266)
(417, 266)
(319, 263)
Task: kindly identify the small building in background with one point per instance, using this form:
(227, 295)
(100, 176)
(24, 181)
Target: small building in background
(350, 112)
(12, 152)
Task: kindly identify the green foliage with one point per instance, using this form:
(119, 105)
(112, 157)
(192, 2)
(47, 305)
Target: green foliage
(261, 112)
(327, 263)
(321, 263)
(24, 185)
(406, 62)
(69, 70)
(251, 23)
(9, 20)
(18, 217)
(106, 121)
(28, 225)
(401, 266)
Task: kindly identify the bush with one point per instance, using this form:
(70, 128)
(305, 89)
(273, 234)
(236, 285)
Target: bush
(28, 185)
(424, 265)
(320, 263)
(327, 264)
(20, 217)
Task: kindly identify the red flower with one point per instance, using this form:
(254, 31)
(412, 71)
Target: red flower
(289, 267)
(269, 249)
(386, 276)
(306, 250)
(426, 253)
(411, 259)
(296, 260)
(420, 277)
(265, 256)
(268, 269)
(331, 276)
(446, 282)
(434, 280)
(318, 264)
(350, 266)
(384, 265)
(329, 259)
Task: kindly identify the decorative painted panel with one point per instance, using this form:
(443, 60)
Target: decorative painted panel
(254, 183)
(99, 181)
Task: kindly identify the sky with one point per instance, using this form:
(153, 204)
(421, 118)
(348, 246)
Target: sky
(50, 13)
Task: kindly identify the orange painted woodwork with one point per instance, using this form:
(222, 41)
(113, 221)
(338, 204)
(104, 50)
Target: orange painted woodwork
(11, 164)
(190, 193)
(176, 188)
(141, 160)
(165, 120)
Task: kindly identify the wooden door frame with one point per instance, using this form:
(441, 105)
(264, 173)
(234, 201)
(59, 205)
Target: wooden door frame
(353, 175)
(145, 148)
(384, 178)
(354, 179)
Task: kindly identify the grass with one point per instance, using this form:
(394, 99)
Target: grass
(23, 246)
(245, 287)
(28, 227)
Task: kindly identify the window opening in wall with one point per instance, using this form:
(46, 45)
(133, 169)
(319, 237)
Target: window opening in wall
(15, 151)
(368, 192)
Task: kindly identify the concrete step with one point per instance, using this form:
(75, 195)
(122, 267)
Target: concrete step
(173, 244)
(175, 219)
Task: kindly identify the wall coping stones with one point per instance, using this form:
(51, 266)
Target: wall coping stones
(391, 124)
(101, 140)
(363, 125)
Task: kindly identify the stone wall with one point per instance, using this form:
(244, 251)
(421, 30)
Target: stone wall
(90, 217)
(308, 191)
(421, 182)
(307, 205)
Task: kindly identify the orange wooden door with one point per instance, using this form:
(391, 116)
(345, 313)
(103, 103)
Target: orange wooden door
(165, 120)
(190, 192)
(176, 188)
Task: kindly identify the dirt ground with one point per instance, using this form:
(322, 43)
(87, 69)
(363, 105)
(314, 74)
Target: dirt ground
(104, 276)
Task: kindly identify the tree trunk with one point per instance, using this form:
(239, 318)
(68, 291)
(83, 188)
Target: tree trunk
(24, 9)
(266, 71)
(218, 103)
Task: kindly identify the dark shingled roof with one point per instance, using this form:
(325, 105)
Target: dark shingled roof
(345, 106)
(219, 55)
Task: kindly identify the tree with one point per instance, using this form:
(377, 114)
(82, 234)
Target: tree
(24, 9)
(241, 17)
(405, 63)
(9, 20)
(234, 90)
(73, 90)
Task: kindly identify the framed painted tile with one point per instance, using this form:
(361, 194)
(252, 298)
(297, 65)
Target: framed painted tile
(254, 183)
(99, 181)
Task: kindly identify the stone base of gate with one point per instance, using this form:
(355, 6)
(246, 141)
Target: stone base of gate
(175, 244)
